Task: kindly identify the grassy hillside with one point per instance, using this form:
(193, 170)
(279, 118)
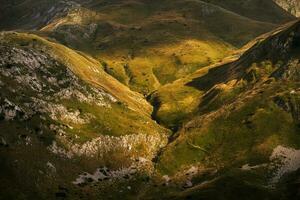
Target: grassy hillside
(159, 43)
(78, 78)
(62, 115)
(241, 121)
(179, 101)
(146, 44)
(260, 10)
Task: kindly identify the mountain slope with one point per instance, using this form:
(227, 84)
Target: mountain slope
(165, 42)
(146, 44)
(261, 10)
(31, 14)
(75, 78)
(245, 128)
(61, 115)
(181, 98)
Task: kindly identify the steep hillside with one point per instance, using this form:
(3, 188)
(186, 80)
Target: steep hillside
(144, 99)
(181, 98)
(32, 14)
(61, 115)
(261, 10)
(244, 129)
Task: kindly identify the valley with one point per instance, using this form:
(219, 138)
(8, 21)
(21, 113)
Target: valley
(140, 99)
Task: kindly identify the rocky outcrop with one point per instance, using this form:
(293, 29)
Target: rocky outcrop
(104, 145)
(290, 102)
(10, 111)
(45, 83)
(292, 6)
(290, 71)
(35, 84)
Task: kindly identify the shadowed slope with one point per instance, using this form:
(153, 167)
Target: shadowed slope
(261, 10)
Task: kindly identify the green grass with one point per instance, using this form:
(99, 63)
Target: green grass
(174, 103)
(158, 42)
(115, 121)
(155, 48)
(85, 67)
(247, 135)
(130, 114)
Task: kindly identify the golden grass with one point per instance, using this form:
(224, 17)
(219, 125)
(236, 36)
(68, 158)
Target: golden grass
(90, 70)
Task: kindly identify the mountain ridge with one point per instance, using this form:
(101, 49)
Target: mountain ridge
(149, 100)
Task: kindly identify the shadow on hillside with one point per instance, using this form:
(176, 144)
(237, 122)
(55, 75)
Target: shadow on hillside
(136, 25)
(275, 47)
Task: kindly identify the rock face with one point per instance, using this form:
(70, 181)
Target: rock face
(292, 6)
